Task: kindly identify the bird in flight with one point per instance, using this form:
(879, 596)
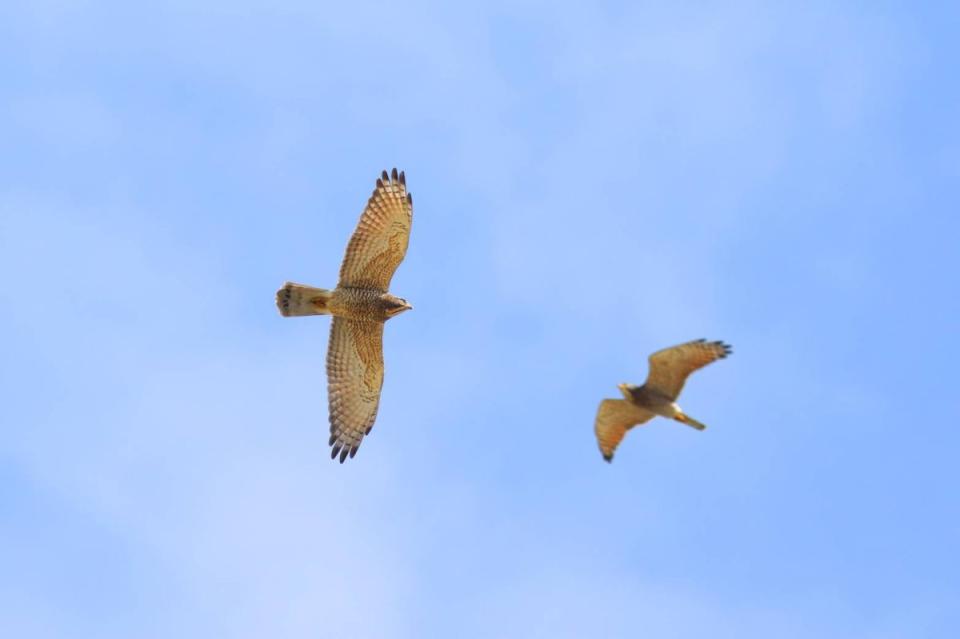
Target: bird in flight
(669, 369)
(360, 305)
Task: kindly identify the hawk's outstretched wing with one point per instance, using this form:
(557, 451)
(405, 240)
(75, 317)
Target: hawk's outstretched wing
(614, 418)
(380, 240)
(354, 379)
(670, 367)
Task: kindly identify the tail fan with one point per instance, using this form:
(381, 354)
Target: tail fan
(297, 300)
(683, 418)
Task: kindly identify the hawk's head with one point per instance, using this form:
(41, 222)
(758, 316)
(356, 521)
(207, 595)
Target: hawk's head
(394, 305)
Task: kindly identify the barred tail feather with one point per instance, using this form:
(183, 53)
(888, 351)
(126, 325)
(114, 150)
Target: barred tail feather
(297, 300)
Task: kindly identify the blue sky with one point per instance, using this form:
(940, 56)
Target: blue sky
(591, 183)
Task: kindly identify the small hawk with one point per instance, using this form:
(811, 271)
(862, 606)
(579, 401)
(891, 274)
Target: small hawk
(669, 369)
(360, 305)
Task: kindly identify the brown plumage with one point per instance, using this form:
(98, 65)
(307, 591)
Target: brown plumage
(360, 304)
(669, 369)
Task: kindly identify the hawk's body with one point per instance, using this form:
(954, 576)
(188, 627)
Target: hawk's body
(360, 305)
(669, 369)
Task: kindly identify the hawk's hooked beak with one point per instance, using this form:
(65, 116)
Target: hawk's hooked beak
(398, 306)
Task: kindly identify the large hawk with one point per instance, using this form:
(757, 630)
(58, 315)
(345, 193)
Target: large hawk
(360, 304)
(669, 369)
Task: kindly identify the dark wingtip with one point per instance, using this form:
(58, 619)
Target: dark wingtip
(384, 176)
(353, 451)
(283, 299)
(608, 458)
(380, 181)
(409, 199)
(333, 438)
(403, 178)
(393, 174)
(343, 454)
(333, 453)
